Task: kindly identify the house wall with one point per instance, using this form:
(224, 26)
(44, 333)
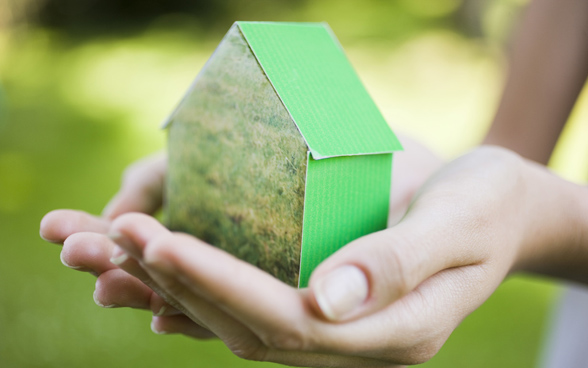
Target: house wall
(346, 198)
(237, 164)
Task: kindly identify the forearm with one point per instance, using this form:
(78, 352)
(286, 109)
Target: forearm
(556, 232)
(548, 67)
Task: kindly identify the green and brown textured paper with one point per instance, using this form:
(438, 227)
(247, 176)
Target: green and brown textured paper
(277, 154)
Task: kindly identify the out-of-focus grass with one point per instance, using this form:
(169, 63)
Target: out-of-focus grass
(79, 110)
(64, 143)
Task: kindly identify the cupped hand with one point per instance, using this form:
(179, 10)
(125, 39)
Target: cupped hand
(392, 297)
(87, 248)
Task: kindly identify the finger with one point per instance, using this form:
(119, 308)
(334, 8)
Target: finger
(277, 313)
(290, 338)
(116, 288)
(57, 225)
(161, 303)
(183, 325)
(198, 309)
(257, 316)
(89, 252)
(132, 231)
(371, 272)
(141, 189)
(413, 329)
(247, 346)
(180, 325)
(124, 232)
(298, 359)
(130, 240)
(238, 337)
(160, 307)
(418, 325)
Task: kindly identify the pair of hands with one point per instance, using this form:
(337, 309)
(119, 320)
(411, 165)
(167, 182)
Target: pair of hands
(406, 288)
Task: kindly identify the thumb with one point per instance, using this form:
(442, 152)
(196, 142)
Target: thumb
(373, 271)
(141, 189)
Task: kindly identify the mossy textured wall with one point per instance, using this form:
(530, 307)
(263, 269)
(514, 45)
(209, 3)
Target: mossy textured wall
(237, 164)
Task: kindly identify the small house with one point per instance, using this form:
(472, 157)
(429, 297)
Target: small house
(277, 153)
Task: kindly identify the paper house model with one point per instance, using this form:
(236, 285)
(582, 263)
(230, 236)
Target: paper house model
(277, 153)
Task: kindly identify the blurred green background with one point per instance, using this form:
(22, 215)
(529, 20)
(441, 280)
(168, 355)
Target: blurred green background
(85, 84)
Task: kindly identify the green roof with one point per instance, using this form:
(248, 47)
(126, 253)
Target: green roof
(317, 84)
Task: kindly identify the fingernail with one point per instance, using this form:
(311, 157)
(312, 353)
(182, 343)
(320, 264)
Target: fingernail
(98, 303)
(161, 311)
(117, 237)
(42, 226)
(47, 239)
(125, 243)
(66, 264)
(118, 256)
(341, 292)
(154, 329)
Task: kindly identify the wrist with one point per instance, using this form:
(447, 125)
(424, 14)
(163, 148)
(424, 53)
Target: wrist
(555, 240)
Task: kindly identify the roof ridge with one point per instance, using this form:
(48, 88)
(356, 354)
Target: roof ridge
(319, 88)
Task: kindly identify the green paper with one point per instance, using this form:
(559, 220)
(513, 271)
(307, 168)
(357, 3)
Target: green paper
(277, 154)
(346, 198)
(317, 84)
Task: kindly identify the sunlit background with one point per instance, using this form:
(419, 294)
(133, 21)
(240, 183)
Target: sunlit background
(84, 85)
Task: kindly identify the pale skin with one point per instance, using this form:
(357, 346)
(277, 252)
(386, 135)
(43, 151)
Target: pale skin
(481, 217)
(471, 223)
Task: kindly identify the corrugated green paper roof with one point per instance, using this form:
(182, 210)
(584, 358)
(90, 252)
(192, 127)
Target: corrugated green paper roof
(317, 84)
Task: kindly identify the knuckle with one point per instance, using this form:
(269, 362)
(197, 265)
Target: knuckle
(424, 346)
(421, 354)
(494, 153)
(255, 351)
(398, 268)
(412, 355)
(293, 340)
(174, 289)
